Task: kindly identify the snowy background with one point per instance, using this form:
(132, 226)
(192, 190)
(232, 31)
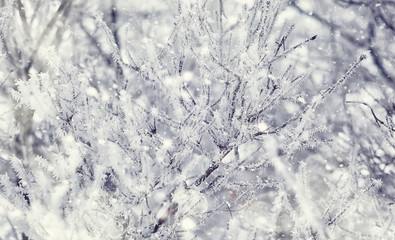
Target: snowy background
(201, 119)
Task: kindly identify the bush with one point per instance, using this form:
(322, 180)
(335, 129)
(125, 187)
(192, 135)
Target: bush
(175, 120)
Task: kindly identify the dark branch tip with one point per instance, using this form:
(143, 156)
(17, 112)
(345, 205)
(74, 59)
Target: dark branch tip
(363, 57)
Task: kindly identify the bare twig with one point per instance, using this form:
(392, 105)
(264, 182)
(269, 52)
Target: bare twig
(376, 119)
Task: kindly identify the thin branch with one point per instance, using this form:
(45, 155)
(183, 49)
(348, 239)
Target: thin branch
(22, 14)
(317, 101)
(47, 29)
(221, 30)
(5, 80)
(284, 54)
(212, 168)
(378, 121)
